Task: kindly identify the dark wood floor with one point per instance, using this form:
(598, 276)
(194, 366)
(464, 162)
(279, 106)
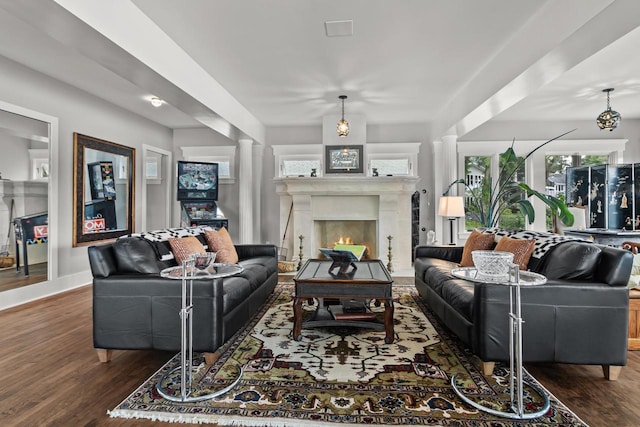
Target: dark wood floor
(51, 376)
(11, 279)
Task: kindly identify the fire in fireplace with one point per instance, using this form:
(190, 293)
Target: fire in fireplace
(329, 233)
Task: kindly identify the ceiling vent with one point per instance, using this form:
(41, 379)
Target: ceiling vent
(339, 28)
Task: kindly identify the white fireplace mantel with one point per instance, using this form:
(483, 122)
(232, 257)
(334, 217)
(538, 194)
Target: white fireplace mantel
(304, 200)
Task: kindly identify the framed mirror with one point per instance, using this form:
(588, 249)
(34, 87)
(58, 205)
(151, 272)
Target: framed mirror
(103, 182)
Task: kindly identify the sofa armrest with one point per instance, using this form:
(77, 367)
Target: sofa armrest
(246, 251)
(615, 266)
(447, 253)
(102, 260)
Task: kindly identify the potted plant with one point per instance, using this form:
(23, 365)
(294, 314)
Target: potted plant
(487, 201)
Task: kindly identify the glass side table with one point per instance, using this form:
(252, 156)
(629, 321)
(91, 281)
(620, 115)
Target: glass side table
(515, 280)
(188, 273)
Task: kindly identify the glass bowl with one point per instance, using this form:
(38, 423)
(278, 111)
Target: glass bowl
(204, 260)
(492, 265)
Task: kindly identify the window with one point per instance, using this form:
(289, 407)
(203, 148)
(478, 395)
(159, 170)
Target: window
(39, 164)
(298, 160)
(479, 187)
(477, 170)
(300, 167)
(390, 166)
(397, 159)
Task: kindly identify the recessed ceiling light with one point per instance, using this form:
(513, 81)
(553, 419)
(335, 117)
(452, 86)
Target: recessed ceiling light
(156, 102)
(339, 28)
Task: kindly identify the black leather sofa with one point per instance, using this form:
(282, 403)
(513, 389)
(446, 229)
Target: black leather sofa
(135, 308)
(579, 316)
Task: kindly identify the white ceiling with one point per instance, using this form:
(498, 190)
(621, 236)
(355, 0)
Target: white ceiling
(453, 63)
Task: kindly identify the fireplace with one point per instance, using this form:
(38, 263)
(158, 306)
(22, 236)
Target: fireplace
(380, 207)
(328, 233)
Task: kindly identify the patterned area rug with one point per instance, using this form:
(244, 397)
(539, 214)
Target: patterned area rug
(340, 376)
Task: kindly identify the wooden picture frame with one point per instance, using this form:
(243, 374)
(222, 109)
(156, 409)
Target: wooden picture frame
(98, 214)
(344, 159)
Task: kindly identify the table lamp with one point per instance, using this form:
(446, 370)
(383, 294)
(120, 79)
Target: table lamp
(451, 207)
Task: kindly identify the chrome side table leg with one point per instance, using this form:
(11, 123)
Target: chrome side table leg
(516, 380)
(186, 347)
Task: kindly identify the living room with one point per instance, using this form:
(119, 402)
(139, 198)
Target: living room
(412, 73)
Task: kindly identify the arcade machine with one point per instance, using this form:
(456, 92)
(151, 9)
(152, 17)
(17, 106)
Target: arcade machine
(30, 230)
(198, 193)
(100, 211)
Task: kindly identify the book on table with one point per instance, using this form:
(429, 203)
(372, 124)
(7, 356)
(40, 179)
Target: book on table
(358, 250)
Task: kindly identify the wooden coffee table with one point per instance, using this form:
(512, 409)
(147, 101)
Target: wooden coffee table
(370, 280)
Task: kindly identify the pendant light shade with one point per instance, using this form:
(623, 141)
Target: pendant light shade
(608, 119)
(343, 125)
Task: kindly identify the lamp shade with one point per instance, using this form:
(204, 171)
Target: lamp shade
(451, 206)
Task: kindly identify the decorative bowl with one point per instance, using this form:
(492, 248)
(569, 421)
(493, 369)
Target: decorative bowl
(204, 260)
(492, 265)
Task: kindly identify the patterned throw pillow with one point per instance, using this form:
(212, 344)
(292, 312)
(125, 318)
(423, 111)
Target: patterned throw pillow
(520, 248)
(220, 243)
(184, 247)
(477, 241)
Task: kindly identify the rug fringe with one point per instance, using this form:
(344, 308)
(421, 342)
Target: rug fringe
(156, 416)
(280, 422)
(207, 419)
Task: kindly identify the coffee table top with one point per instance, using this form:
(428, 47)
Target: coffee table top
(367, 271)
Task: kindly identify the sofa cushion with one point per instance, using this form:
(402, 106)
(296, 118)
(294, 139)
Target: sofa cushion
(458, 293)
(135, 255)
(184, 247)
(268, 262)
(571, 261)
(477, 241)
(256, 274)
(520, 248)
(236, 290)
(435, 272)
(220, 242)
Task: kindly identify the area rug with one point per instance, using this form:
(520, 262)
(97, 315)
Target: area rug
(340, 376)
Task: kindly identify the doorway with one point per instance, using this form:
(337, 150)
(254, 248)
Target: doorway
(156, 188)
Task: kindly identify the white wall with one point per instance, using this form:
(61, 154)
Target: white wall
(81, 112)
(15, 166)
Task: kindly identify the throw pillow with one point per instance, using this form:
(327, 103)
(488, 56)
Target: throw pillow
(184, 247)
(220, 242)
(520, 248)
(477, 241)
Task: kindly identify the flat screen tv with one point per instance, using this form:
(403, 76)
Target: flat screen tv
(197, 181)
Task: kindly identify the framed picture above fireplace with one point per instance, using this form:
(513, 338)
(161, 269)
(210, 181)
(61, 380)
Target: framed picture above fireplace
(343, 159)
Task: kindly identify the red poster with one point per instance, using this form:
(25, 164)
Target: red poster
(93, 225)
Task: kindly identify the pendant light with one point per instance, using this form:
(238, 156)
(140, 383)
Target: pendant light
(608, 119)
(343, 125)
